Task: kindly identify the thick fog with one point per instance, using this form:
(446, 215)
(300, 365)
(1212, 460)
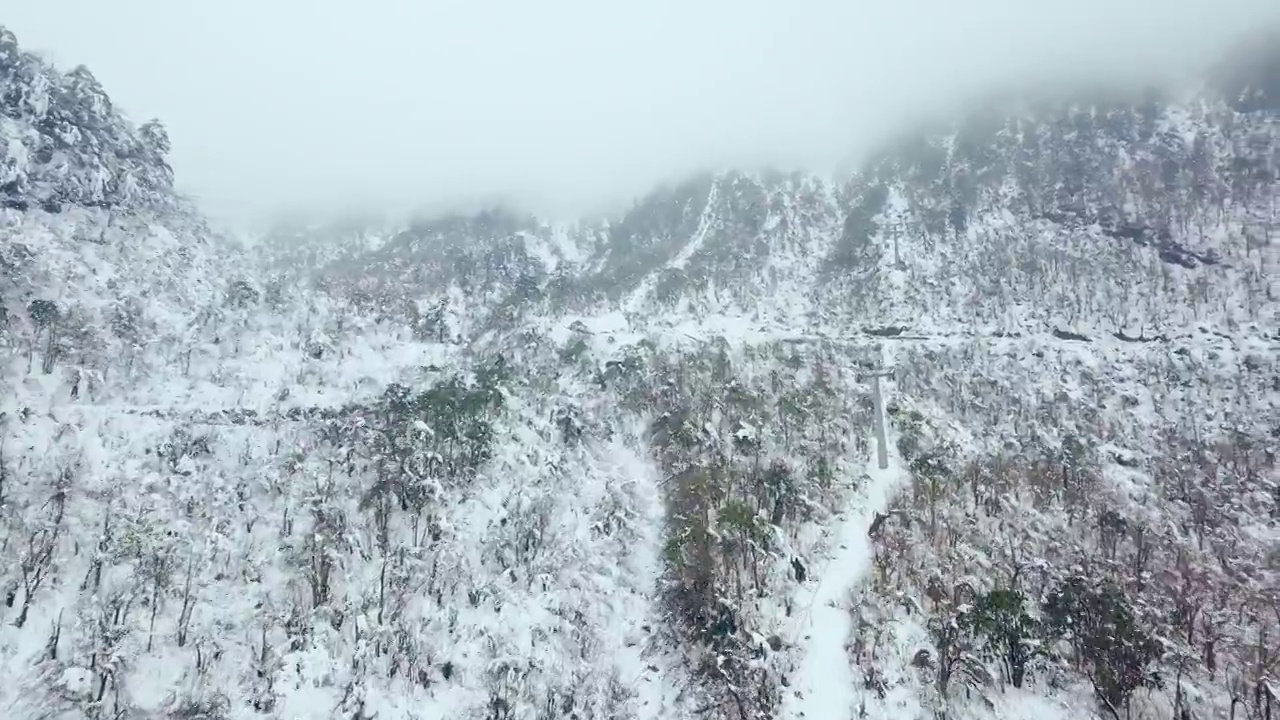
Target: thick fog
(572, 105)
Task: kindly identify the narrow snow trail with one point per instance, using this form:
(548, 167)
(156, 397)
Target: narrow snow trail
(699, 236)
(824, 686)
(637, 297)
(649, 673)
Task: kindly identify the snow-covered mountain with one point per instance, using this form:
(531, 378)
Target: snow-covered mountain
(487, 466)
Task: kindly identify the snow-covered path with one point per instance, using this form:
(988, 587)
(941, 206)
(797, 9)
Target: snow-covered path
(637, 297)
(824, 687)
(652, 674)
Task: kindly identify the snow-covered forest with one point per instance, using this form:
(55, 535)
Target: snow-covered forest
(486, 466)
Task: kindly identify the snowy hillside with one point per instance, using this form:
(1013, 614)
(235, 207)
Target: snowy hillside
(488, 467)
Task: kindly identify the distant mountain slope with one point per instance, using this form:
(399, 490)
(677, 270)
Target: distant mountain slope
(1092, 219)
(1138, 218)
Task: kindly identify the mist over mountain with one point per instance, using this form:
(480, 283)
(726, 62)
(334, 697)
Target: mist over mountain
(570, 108)
(489, 465)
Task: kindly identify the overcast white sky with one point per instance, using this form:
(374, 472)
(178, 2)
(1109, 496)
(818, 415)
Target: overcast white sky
(567, 104)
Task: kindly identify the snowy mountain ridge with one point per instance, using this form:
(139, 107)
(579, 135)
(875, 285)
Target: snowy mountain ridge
(940, 236)
(487, 467)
